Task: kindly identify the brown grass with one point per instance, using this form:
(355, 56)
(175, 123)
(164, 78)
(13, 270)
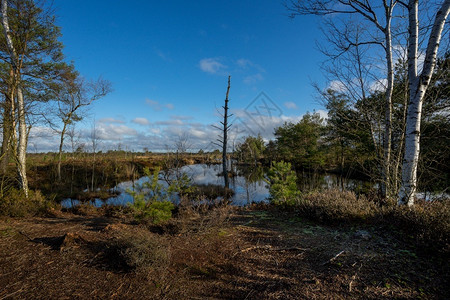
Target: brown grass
(15, 204)
(335, 206)
(222, 253)
(426, 225)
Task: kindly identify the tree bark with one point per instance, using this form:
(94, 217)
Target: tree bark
(22, 147)
(225, 138)
(395, 176)
(386, 184)
(7, 133)
(61, 143)
(418, 87)
(15, 83)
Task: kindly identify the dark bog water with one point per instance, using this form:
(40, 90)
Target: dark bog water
(245, 191)
(249, 186)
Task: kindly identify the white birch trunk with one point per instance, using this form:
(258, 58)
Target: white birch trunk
(418, 87)
(386, 184)
(22, 145)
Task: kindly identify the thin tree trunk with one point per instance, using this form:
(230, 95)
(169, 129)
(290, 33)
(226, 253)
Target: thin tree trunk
(22, 147)
(13, 141)
(418, 87)
(7, 134)
(93, 173)
(225, 137)
(61, 143)
(396, 170)
(387, 145)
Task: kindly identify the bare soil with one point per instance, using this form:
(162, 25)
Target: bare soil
(254, 253)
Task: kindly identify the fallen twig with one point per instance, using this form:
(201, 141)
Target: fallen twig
(268, 247)
(289, 249)
(353, 278)
(265, 247)
(331, 259)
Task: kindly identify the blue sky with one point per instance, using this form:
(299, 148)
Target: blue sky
(168, 62)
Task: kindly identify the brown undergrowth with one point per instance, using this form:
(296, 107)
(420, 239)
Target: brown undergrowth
(426, 225)
(260, 252)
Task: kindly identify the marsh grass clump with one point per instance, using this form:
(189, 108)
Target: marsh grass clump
(15, 204)
(142, 252)
(335, 206)
(427, 223)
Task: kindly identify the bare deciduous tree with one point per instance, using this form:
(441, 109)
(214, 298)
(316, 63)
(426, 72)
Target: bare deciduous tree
(72, 98)
(223, 139)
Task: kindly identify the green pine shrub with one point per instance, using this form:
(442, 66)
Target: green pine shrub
(153, 202)
(282, 182)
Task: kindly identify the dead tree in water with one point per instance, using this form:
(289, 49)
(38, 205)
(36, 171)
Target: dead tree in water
(223, 139)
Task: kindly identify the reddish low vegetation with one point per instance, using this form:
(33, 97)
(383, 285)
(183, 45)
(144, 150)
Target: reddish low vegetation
(261, 252)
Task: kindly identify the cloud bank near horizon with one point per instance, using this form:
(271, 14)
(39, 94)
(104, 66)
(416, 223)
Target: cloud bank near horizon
(139, 133)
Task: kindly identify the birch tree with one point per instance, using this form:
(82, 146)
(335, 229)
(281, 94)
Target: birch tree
(418, 84)
(32, 61)
(16, 91)
(373, 12)
(377, 20)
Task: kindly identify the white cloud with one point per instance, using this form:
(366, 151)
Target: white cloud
(378, 86)
(244, 63)
(290, 105)
(197, 133)
(155, 130)
(162, 135)
(114, 132)
(152, 103)
(401, 52)
(111, 120)
(251, 123)
(185, 118)
(140, 121)
(322, 113)
(211, 65)
(43, 139)
(252, 79)
(337, 85)
(169, 122)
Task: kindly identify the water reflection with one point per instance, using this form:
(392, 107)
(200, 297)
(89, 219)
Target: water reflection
(247, 189)
(248, 184)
